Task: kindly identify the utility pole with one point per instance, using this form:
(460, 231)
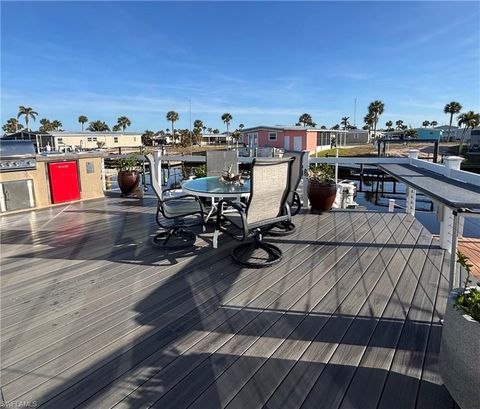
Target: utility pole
(190, 127)
(355, 113)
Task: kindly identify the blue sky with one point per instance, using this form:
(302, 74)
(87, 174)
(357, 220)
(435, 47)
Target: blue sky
(265, 63)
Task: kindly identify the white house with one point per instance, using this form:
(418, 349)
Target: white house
(94, 140)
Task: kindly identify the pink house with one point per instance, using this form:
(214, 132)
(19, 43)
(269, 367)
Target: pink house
(293, 138)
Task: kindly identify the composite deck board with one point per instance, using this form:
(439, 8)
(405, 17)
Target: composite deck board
(290, 393)
(241, 288)
(93, 316)
(432, 394)
(367, 386)
(246, 296)
(245, 370)
(185, 391)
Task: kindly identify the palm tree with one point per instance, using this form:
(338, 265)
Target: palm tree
(345, 122)
(28, 112)
(56, 124)
(433, 124)
(470, 120)
(46, 125)
(306, 119)
(173, 117)
(98, 126)
(241, 126)
(452, 108)
(197, 130)
(198, 123)
(147, 138)
(12, 126)
(376, 108)
(368, 119)
(83, 120)
(399, 124)
(411, 133)
(336, 126)
(227, 118)
(123, 122)
(389, 125)
(425, 123)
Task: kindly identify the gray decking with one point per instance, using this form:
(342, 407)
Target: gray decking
(92, 316)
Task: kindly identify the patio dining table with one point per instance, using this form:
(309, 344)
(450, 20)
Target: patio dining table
(213, 188)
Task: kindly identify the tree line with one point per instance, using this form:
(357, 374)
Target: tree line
(185, 137)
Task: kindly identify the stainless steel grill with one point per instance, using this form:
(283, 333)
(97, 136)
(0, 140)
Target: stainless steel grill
(17, 155)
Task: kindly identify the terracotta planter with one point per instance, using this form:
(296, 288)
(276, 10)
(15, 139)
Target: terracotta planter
(460, 355)
(321, 195)
(128, 181)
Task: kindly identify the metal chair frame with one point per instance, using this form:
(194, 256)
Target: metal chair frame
(258, 229)
(178, 229)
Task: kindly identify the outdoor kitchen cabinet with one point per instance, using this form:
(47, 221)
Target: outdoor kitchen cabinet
(88, 174)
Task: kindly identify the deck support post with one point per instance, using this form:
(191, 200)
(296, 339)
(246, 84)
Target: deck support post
(413, 154)
(305, 167)
(411, 193)
(454, 281)
(391, 205)
(446, 227)
(411, 200)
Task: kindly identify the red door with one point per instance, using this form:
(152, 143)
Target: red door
(64, 181)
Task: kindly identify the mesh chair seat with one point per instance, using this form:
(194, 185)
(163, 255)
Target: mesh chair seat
(180, 207)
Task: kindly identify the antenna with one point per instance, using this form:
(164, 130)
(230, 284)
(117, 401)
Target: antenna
(355, 113)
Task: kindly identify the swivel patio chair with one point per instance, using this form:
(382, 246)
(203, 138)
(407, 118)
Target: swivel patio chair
(266, 206)
(176, 208)
(287, 227)
(218, 161)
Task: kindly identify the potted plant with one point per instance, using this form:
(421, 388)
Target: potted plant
(321, 188)
(460, 346)
(128, 175)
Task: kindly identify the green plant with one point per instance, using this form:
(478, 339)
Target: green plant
(200, 171)
(469, 299)
(321, 173)
(127, 164)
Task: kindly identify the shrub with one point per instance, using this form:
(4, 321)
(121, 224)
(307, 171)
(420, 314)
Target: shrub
(469, 299)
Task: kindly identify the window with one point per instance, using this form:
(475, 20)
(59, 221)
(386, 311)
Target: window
(115, 139)
(89, 139)
(272, 136)
(94, 138)
(134, 139)
(60, 140)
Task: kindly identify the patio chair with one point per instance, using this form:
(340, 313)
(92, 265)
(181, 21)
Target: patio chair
(266, 206)
(218, 161)
(293, 200)
(176, 208)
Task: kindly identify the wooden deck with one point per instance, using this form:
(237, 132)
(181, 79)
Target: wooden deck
(94, 317)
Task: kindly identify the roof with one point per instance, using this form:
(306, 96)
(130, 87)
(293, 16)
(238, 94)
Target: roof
(290, 128)
(88, 133)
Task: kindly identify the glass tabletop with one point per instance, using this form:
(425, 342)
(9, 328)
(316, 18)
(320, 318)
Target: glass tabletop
(213, 185)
